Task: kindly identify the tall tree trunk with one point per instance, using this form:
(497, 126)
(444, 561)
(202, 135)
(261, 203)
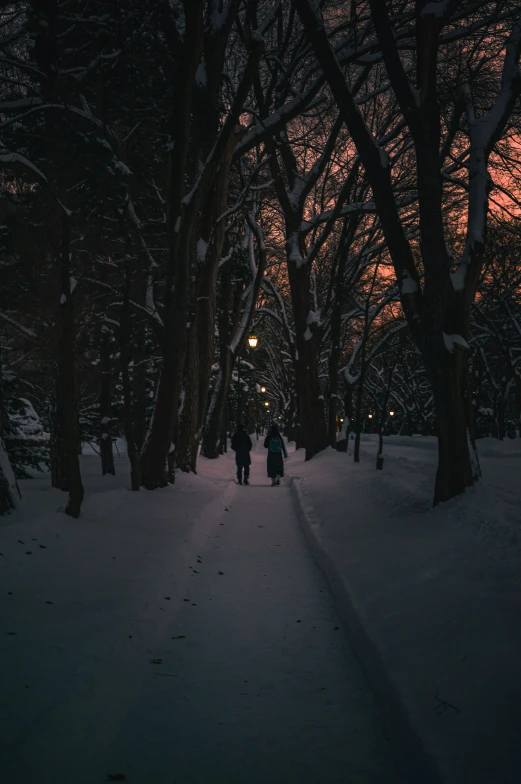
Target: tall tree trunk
(139, 385)
(8, 485)
(188, 433)
(66, 399)
(334, 359)
(128, 407)
(180, 221)
(312, 434)
(154, 468)
(214, 423)
(358, 421)
(458, 463)
(201, 354)
(105, 404)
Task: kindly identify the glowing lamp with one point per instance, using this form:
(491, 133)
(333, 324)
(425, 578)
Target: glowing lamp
(252, 340)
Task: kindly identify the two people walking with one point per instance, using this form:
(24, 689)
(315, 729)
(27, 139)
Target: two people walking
(274, 443)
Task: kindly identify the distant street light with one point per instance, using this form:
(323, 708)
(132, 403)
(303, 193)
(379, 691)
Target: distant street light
(263, 389)
(370, 416)
(252, 340)
(266, 403)
(391, 413)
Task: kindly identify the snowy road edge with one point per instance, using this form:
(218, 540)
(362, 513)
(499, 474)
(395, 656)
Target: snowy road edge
(415, 764)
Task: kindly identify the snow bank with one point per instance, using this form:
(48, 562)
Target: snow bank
(433, 598)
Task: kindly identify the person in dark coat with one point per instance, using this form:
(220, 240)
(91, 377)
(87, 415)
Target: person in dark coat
(241, 445)
(274, 443)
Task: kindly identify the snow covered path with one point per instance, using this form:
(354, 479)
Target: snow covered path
(253, 680)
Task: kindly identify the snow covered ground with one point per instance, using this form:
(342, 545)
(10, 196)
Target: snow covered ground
(433, 596)
(183, 636)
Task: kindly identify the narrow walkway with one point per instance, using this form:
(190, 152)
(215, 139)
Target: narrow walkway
(254, 681)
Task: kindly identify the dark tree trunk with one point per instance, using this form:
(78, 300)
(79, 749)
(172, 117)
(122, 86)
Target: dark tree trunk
(128, 408)
(456, 445)
(216, 419)
(334, 359)
(290, 420)
(358, 425)
(180, 221)
(139, 385)
(187, 433)
(8, 485)
(380, 455)
(154, 468)
(312, 433)
(202, 335)
(67, 430)
(105, 404)
(517, 381)
(215, 426)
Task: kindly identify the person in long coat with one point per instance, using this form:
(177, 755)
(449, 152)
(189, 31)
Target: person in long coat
(241, 445)
(274, 443)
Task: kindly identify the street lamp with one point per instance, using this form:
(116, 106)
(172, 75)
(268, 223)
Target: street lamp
(252, 340)
(391, 413)
(370, 416)
(263, 389)
(266, 403)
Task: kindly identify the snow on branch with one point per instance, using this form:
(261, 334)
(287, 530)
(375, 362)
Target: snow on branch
(25, 330)
(438, 10)
(14, 157)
